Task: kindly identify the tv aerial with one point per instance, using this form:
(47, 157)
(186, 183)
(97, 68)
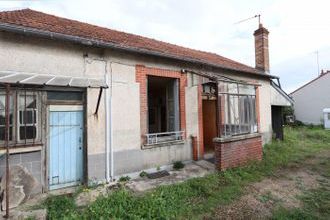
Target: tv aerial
(247, 19)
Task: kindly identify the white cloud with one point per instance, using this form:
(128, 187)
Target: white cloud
(297, 28)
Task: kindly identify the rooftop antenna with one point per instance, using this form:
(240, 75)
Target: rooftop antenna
(256, 16)
(317, 61)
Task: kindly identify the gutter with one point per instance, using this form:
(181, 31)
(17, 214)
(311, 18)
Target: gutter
(102, 44)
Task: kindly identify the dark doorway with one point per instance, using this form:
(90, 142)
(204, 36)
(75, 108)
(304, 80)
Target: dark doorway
(209, 124)
(163, 104)
(277, 122)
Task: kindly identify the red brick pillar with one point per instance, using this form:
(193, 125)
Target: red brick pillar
(237, 151)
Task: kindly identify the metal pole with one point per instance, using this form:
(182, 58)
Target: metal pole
(7, 148)
(317, 60)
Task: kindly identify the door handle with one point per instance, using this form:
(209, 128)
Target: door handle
(80, 143)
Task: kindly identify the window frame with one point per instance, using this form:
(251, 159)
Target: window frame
(233, 109)
(176, 105)
(36, 124)
(12, 109)
(15, 95)
(177, 135)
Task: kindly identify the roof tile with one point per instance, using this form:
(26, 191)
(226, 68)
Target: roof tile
(45, 22)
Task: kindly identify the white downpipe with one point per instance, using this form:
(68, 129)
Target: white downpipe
(111, 129)
(108, 130)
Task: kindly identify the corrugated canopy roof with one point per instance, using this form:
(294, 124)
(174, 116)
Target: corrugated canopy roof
(23, 78)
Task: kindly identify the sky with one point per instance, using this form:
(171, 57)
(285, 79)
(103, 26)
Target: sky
(299, 40)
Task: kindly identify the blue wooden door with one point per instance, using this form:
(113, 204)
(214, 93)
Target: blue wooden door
(65, 148)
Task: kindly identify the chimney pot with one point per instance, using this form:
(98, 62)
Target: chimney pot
(261, 48)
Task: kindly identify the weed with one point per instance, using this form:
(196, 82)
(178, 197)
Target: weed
(124, 178)
(143, 174)
(178, 165)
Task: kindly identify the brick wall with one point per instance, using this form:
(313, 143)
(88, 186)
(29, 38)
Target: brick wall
(142, 74)
(234, 153)
(261, 49)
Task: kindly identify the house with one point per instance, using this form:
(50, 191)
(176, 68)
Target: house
(90, 104)
(311, 99)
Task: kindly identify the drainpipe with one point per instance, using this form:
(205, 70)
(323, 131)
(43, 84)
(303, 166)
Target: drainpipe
(111, 129)
(108, 129)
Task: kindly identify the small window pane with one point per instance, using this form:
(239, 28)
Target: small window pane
(247, 89)
(2, 133)
(65, 96)
(232, 88)
(27, 117)
(3, 118)
(27, 101)
(28, 132)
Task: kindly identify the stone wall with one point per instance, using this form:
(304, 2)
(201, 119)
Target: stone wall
(30, 160)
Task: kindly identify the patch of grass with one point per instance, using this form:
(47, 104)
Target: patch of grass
(316, 205)
(266, 197)
(61, 207)
(316, 202)
(198, 196)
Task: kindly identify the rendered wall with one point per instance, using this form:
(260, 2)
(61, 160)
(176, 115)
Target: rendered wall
(46, 56)
(310, 100)
(26, 54)
(277, 98)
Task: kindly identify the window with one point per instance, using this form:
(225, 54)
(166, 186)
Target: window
(163, 110)
(3, 117)
(27, 111)
(24, 117)
(65, 96)
(238, 108)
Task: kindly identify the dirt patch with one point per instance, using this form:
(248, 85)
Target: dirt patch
(281, 189)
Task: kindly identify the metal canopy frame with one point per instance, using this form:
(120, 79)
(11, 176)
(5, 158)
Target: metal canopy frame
(35, 79)
(216, 79)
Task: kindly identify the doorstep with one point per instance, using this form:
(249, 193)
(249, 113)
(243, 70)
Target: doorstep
(191, 170)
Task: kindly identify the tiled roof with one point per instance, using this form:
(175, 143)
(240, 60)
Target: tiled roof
(28, 18)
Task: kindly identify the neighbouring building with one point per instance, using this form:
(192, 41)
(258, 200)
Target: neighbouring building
(311, 99)
(90, 104)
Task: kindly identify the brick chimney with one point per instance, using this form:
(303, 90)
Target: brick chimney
(261, 48)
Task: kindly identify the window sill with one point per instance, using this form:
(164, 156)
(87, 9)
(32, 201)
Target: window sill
(236, 138)
(163, 144)
(21, 149)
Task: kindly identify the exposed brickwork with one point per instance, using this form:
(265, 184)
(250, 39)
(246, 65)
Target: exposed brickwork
(236, 153)
(261, 48)
(142, 73)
